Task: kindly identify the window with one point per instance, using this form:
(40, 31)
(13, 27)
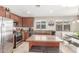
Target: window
(38, 25)
(60, 26)
(67, 27)
(41, 25)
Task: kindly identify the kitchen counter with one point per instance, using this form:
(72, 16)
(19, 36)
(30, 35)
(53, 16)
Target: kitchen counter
(44, 38)
(71, 43)
(73, 36)
(73, 40)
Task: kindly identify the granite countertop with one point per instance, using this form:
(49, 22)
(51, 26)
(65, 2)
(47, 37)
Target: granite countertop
(44, 38)
(42, 31)
(73, 36)
(73, 40)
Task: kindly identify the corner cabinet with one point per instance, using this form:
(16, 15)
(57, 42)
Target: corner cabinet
(16, 19)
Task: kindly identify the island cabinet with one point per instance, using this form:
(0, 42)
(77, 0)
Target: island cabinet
(51, 44)
(16, 19)
(28, 21)
(44, 40)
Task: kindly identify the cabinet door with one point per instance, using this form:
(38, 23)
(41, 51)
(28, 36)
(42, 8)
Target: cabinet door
(16, 19)
(28, 22)
(19, 21)
(2, 11)
(26, 35)
(7, 14)
(24, 22)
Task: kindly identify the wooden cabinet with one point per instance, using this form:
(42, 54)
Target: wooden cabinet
(51, 44)
(16, 19)
(2, 11)
(28, 21)
(19, 20)
(7, 14)
(25, 35)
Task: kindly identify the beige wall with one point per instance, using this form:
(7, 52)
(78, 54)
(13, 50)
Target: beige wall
(54, 19)
(75, 26)
(47, 20)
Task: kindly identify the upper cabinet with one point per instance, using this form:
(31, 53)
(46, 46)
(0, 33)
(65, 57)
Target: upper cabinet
(5, 12)
(28, 21)
(19, 21)
(2, 11)
(16, 19)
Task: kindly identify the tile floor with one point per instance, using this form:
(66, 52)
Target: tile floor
(23, 48)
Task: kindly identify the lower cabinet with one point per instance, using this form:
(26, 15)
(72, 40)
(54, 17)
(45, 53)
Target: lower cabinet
(52, 44)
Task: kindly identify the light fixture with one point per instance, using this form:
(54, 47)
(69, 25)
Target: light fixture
(7, 9)
(50, 11)
(78, 21)
(28, 12)
(73, 22)
(37, 5)
(59, 20)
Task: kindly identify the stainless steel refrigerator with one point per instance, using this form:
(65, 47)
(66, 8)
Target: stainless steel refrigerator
(6, 35)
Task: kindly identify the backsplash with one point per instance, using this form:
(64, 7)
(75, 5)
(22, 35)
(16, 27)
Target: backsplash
(24, 28)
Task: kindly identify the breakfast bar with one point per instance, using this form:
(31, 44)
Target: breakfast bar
(44, 40)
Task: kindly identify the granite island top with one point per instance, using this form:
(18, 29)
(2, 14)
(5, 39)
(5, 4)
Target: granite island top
(44, 38)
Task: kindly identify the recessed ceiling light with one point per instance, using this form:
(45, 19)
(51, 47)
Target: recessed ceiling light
(78, 21)
(50, 11)
(73, 22)
(59, 20)
(28, 12)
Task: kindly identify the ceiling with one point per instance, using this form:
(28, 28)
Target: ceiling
(42, 10)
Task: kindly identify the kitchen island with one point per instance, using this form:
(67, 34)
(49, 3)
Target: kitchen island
(44, 40)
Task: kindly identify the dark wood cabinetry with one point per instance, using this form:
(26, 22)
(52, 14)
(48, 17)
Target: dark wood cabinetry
(51, 44)
(28, 21)
(25, 35)
(21, 21)
(2, 11)
(6, 13)
(16, 19)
